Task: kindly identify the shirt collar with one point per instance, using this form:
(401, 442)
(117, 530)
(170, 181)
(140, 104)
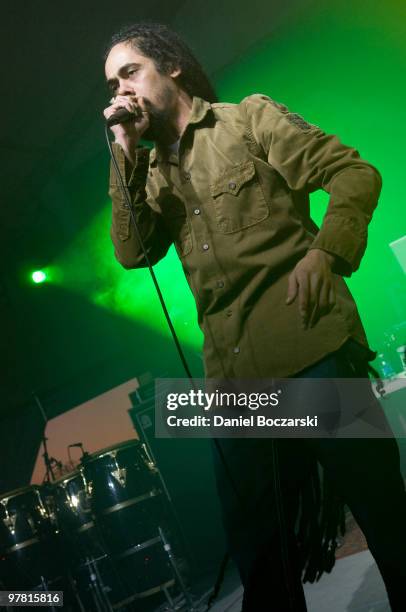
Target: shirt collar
(198, 112)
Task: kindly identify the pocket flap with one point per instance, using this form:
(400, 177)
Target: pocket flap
(233, 179)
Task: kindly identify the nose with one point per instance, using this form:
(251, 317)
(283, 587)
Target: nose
(125, 88)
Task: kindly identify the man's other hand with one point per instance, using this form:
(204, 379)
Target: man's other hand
(312, 283)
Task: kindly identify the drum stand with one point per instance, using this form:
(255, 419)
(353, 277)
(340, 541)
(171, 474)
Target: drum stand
(97, 587)
(44, 588)
(172, 561)
(187, 600)
(49, 475)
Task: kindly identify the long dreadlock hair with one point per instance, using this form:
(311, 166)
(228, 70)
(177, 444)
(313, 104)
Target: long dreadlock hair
(168, 51)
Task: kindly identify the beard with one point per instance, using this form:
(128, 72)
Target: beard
(158, 125)
(160, 129)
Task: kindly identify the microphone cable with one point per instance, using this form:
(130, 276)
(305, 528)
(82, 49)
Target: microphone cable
(179, 349)
(277, 488)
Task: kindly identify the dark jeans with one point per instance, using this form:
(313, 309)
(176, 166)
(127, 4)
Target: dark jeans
(366, 473)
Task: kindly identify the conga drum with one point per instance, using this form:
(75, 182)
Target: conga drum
(128, 508)
(28, 539)
(69, 502)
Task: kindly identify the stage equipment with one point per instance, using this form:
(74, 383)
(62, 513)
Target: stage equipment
(185, 471)
(391, 360)
(69, 504)
(115, 524)
(131, 519)
(103, 534)
(28, 546)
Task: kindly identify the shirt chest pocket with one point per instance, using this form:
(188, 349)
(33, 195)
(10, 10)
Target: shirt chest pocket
(238, 198)
(177, 224)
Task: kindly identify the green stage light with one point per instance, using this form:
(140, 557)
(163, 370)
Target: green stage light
(39, 276)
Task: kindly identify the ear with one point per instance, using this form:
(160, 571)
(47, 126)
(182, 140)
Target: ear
(175, 73)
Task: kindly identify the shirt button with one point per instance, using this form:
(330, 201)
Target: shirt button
(232, 185)
(236, 350)
(229, 313)
(220, 284)
(205, 247)
(197, 211)
(186, 176)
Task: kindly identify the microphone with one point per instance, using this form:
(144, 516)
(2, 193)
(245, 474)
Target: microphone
(122, 115)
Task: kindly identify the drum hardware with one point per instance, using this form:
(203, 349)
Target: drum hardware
(175, 603)
(76, 594)
(120, 475)
(171, 601)
(49, 461)
(30, 546)
(24, 518)
(137, 548)
(99, 530)
(21, 545)
(98, 589)
(137, 418)
(172, 561)
(131, 502)
(75, 445)
(44, 586)
(86, 526)
(118, 482)
(150, 461)
(163, 588)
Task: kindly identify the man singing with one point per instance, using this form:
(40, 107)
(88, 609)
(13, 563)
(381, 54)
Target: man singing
(229, 185)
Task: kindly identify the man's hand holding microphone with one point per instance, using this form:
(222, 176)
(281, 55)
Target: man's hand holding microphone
(127, 128)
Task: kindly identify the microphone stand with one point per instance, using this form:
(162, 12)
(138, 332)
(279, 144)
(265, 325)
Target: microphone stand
(49, 476)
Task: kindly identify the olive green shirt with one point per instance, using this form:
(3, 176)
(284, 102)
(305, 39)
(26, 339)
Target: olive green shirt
(235, 202)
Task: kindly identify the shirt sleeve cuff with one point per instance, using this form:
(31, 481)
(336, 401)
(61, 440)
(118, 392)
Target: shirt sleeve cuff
(343, 239)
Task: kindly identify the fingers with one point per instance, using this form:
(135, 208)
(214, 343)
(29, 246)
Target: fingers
(130, 103)
(316, 296)
(321, 301)
(321, 306)
(299, 285)
(128, 133)
(292, 288)
(312, 282)
(141, 103)
(304, 297)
